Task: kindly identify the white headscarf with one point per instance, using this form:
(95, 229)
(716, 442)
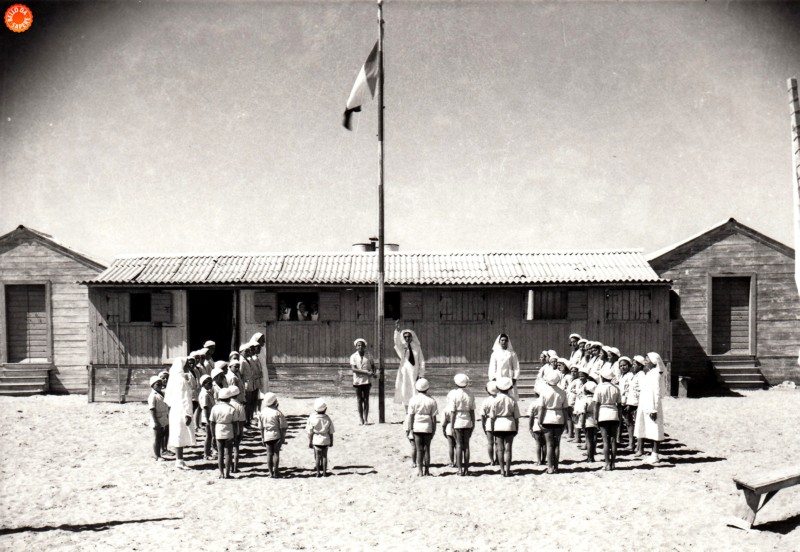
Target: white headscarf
(655, 358)
(414, 338)
(177, 384)
(498, 347)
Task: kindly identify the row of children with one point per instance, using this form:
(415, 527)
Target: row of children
(599, 390)
(223, 412)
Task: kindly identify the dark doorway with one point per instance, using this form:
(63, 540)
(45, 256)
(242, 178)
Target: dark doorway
(730, 316)
(211, 317)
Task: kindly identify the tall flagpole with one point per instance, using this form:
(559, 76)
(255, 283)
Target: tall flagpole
(379, 308)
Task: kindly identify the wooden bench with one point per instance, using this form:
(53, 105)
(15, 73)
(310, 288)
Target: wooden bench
(757, 486)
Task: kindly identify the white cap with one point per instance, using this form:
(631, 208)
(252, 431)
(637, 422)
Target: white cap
(462, 380)
(209, 343)
(319, 405)
(504, 384)
(589, 387)
(552, 377)
(422, 385)
(269, 398)
(227, 392)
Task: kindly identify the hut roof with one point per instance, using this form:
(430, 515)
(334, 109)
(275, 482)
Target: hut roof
(401, 268)
(718, 231)
(49, 241)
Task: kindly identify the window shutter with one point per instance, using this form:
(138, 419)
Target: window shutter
(161, 307)
(264, 307)
(411, 305)
(329, 305)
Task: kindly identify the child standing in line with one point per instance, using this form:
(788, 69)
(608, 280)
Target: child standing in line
(159, 413)
(223, 426)
(589, 421)
(460, 410)
(607, 413)
(320, 436)
(504, 420)
(491, 389)
(539, 447)
(206, 399)
(579, 408)
(164, 375)
(421, 421)
(238, 423)
(571, 397)
(273, 431)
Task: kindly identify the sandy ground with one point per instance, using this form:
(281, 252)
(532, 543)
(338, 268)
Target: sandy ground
(80, 476)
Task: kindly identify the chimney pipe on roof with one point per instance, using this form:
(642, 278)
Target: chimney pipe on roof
(372, 246)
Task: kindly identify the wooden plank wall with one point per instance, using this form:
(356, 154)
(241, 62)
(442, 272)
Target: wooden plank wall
(29, 260)
(136, 343)
(317, 352)
(777, 304)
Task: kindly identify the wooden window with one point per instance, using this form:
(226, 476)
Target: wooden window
(140, 307)
(264, 307)
(330, 305)
(446, 306)
(577, 304)
(628, 304)
(161, 307)
(547, 304)
(365, 306)
(411, 305)
(462, 306)
(299, 306)
(26, 323)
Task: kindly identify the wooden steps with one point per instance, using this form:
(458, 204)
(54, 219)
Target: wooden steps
(23, 381)
(526, 382)
(738, 372)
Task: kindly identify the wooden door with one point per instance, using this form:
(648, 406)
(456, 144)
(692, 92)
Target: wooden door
(173, 334)
(26, 320)
(730, 316)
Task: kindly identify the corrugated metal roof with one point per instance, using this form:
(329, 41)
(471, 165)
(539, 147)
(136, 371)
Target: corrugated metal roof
(402, 268)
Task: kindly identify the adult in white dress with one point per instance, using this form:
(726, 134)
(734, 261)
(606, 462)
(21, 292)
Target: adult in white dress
(649, 415)
(178, 396)
(412, 364)
(504, 363)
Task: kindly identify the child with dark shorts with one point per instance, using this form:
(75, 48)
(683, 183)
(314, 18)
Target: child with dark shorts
(159, 413)
(320, 436)
(273, 431)
(223, 422)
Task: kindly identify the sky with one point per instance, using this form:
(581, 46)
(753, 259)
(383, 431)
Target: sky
(210, 127)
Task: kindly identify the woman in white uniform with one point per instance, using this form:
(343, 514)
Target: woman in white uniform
(649, 414)
(412, 364)
(504, 363)
(178, 396)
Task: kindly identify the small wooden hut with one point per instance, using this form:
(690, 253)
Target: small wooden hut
(43, 314)
(735, 309)
(146, 310)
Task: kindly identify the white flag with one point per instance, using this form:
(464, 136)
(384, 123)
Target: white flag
(366, 81)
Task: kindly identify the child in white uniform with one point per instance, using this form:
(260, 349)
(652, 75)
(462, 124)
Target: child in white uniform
(320, 436)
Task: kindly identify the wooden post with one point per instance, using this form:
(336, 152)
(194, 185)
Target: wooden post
(794, 110)
(379, 302)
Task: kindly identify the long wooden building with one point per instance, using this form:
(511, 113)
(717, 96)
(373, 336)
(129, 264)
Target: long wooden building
(146, 310)
(43, 314)
(735, 307)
